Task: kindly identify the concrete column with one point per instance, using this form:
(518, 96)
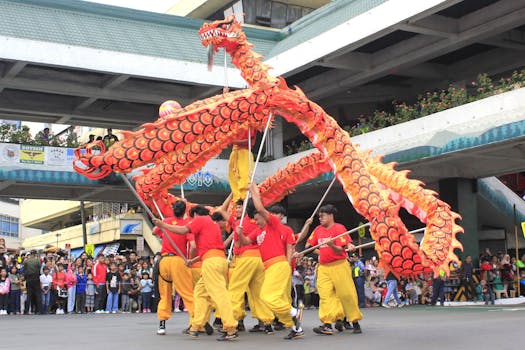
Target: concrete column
(277, 138)
(461, 194)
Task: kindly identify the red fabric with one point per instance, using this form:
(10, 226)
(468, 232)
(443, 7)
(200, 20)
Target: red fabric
(247, 227)
(180, 240)
(269, 238)
(59, 280)
(207, 234)
(322, 234)
(243, 140)
(99, 273)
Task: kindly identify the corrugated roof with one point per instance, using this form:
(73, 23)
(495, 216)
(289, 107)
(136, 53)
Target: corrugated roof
(322, 20)
(81, 23)
(98, 26)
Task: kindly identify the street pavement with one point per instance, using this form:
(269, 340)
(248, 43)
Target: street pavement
(409, 328)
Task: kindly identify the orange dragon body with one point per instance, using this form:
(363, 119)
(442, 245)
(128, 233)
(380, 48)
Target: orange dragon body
(182, 140)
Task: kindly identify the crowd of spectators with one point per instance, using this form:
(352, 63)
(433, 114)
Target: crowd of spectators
(53, 283)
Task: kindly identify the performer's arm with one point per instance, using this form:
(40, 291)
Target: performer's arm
(243, 240)
(302, 235)
(254, 191)
(228, 240)
(180, 230)
(336, 249)
(290, 249)
(223, 209)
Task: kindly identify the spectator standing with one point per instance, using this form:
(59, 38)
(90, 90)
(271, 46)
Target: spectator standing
(23, 295)
(71, 278)
(5, 285)
(81, 290)
(34, 288)
(60, 287)
(46, 280)
(91, 289)
(99, 278)
(14, 293)
(391, 281)
(438, 289)
(146, 290)
(125, 293)
(465, 274)
(358, 273)
(113, 280)
(110, 139)
(44, 136)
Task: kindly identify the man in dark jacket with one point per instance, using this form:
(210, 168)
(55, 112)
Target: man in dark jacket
(32, 275)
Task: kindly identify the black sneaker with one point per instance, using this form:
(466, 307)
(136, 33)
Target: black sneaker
(228, 337)
(162, 328)
(259, 327)
(192, 334)
(325, 329)
(217, 323)
(208, 328)
(240, 326)
(268, 329)
(357, 328)
(347, 325)
(278, 325)
(339, 325)
(294, 335)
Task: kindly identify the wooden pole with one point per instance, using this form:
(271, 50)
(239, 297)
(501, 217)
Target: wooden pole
(150, 213)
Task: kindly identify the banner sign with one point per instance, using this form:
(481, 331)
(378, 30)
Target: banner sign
(130, 227)
(32, 154)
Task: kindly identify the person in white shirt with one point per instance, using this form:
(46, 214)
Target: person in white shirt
(45, 285)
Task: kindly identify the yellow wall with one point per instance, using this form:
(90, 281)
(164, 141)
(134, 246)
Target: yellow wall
(109, 232)
(185, 7)
(33, 211)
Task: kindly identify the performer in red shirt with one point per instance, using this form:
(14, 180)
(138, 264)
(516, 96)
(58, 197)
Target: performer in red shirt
(247, 274)
(275, 289)
(212, 284)
(173, 272)
(337, 293)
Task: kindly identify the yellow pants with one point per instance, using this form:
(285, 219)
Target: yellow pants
(275, 290)
(172, 268)
(239, 165)
(248, 276)
(337, 293)
(211, 287)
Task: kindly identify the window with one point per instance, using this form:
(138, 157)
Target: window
(8, 226)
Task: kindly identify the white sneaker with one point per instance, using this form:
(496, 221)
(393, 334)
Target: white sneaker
(57, 312)
(177, 310)
(113, 312)
(386, 306)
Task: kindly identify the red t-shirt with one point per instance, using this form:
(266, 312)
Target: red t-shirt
(322, 234)
(99, 273)
(59, 280)
(207, 234)
(247, 227)
(180, 240)
(269, 239)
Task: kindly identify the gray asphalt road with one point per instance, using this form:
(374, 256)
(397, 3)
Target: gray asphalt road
(411, 328)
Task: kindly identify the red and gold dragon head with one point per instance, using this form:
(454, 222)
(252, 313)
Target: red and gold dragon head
(226, 33)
